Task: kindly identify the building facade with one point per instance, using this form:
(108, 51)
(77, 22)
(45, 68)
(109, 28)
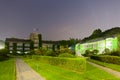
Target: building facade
(15, 45)
(19, 46)
(100, 44)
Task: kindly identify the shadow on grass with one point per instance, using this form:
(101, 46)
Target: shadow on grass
(4, 57)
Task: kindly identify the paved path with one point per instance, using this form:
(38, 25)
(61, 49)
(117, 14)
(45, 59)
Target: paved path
(113, 72)
(24, 72)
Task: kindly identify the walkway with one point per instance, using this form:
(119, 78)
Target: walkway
(24, 72)
(113, 72)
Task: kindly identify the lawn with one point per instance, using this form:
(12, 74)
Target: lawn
(55, 73)
(109, 65)
(7, 69)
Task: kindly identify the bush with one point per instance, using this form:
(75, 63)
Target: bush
(88, 53)
(45, 52)
(115, 53)
(76, 64)
(106, 51)
(4, 51)
(50, 53)
(95, 51)
(107, 58)
(66, 50)
(41, 51)
(66, 55)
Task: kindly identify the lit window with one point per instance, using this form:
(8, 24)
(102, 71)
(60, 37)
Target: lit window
(27, 45)
(19, 44)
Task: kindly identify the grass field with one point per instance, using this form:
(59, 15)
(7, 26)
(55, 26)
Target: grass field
(109, 65)
(7, 69)
(55, 73)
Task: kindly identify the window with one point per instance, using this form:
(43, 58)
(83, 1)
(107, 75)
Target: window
(27, 45)
(11, 48)
(19, 44)
(35, 45)
(11, 44)
(10, 51)
(27, 48)
(19, 48)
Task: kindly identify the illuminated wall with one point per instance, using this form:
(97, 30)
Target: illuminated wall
(100, 45)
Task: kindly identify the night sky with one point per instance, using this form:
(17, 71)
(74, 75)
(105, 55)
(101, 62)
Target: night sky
(57, 19)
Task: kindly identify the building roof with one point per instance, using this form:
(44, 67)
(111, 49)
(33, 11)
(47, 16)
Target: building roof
(17, 40)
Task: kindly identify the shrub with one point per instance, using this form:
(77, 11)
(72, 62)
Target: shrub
(4, 51)
(66, 50)
(76, 64)
(45, 52)
(50, 53)
(106, 51)
(95, 51)
(107, 58)
(41, 51)
(66, 55)
(88, 53)
(115, 53)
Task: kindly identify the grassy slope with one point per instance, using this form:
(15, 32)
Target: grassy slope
(55, 73)
(109, 65)
(7, 70)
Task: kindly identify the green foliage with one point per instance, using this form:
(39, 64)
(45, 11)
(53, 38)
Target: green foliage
(118, 37)
(40, 40)
(89, 53)
(98, 33)
(109, 65)
(107, 58)
(40, 51)
(4, 51)
(76, 64)
(3, 54)
(95, 51)
(45, 52)
(66, 55)
(69, 42)
(115, 53)
(66, 50)
(32, 52)
(50, 53)
(106, 51)
(51, 72)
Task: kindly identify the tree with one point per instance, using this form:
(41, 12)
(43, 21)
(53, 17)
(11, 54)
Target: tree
(4, 51)
(95, 51)
(96, 33)
(118, 37)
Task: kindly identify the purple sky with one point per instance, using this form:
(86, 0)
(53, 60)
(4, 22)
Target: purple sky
(57, 19)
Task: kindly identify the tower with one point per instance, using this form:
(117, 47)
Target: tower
(36, 39)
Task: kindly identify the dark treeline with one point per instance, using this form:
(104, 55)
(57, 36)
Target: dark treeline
(98, 33)
(69, 42)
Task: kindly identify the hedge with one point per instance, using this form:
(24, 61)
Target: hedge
(107, 58)
(67, 55)
(75, 64)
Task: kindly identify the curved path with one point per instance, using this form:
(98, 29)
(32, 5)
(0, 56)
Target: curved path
(113, 72)
(24, 72)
